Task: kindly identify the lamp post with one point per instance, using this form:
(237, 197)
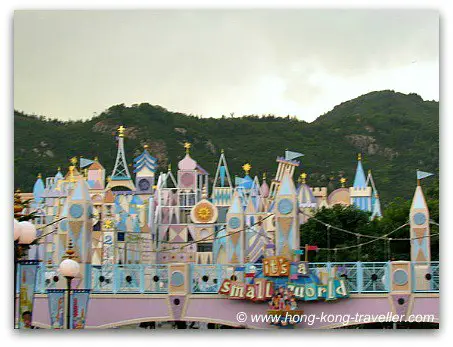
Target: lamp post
(69, 268)
(24, 235)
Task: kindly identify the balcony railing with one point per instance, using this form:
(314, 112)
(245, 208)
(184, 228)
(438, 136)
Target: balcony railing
(361, 277)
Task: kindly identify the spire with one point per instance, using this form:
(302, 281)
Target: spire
(375, 201)
(359, 180)
(305, 194)
(418, 200)
(264, 189)
(59, 175)
(120, 171)
(376, 207)
(187, 163)
(343, 181)
(222, 173)
(38, 189)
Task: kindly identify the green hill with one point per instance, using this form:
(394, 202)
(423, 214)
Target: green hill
(397, 133)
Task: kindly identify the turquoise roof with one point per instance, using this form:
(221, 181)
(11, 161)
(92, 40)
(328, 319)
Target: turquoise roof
(145, 160)
(59, 175)
(359, 180)
(38, 190)
(419, 199)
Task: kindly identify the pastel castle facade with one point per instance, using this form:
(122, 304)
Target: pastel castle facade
(180, 216)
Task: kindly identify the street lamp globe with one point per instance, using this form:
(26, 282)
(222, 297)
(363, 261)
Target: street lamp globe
(69, 268)
(27, 233)
(17, 230)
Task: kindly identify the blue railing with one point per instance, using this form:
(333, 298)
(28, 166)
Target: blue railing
(361, 277)
(140, 278)
(425, 276)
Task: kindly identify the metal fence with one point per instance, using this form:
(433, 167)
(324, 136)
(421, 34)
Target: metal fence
(361, 277)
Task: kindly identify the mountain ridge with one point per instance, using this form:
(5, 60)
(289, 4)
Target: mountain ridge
(397, 134)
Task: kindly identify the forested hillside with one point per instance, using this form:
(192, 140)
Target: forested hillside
(396, 134)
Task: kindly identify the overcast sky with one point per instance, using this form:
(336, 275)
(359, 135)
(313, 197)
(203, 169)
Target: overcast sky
(70, 65)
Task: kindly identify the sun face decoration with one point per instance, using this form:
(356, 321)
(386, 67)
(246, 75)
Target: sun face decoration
(204, 212)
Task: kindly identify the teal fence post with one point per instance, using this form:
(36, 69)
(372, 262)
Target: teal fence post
(387, 277)
(359, 277)
(116, 279)
(142, 278)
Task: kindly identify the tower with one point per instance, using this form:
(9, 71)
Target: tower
(420, 238)
(145, 166)
(222, 189)
(375, 201)
(287, 237)
(235, 231)
(306, 199)
(79, 228)
(96, 175)
(286, 164)
(360, 193)
(120, 176)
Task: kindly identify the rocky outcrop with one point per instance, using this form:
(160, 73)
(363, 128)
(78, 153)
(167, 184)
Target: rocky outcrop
(368, 145)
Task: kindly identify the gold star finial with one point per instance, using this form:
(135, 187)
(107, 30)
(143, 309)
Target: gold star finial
(359, 156)
(59, 168)
(222, 151)
(264, 176)
(96, 159)
(169, 167)
(342, 181)
(39, 175)
(246, 167)
(187, 146)
(121, 131)
(73, 161)
(303, 176)
(145, 147)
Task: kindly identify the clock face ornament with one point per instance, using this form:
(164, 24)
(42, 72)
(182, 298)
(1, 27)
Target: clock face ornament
(234, 223)
(285, 206)
(143, 184)
(76, 211)
(419, 218)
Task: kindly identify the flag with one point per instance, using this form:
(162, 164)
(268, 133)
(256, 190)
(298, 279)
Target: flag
(250, 274)
(289, 155)
(28, 270)
(299, 251)
(239, 268)
(85, 162)
(423, 174)
(55, 299)
(312, 248)
(79, 307)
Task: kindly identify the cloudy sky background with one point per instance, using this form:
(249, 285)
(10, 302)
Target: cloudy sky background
(71, 65)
